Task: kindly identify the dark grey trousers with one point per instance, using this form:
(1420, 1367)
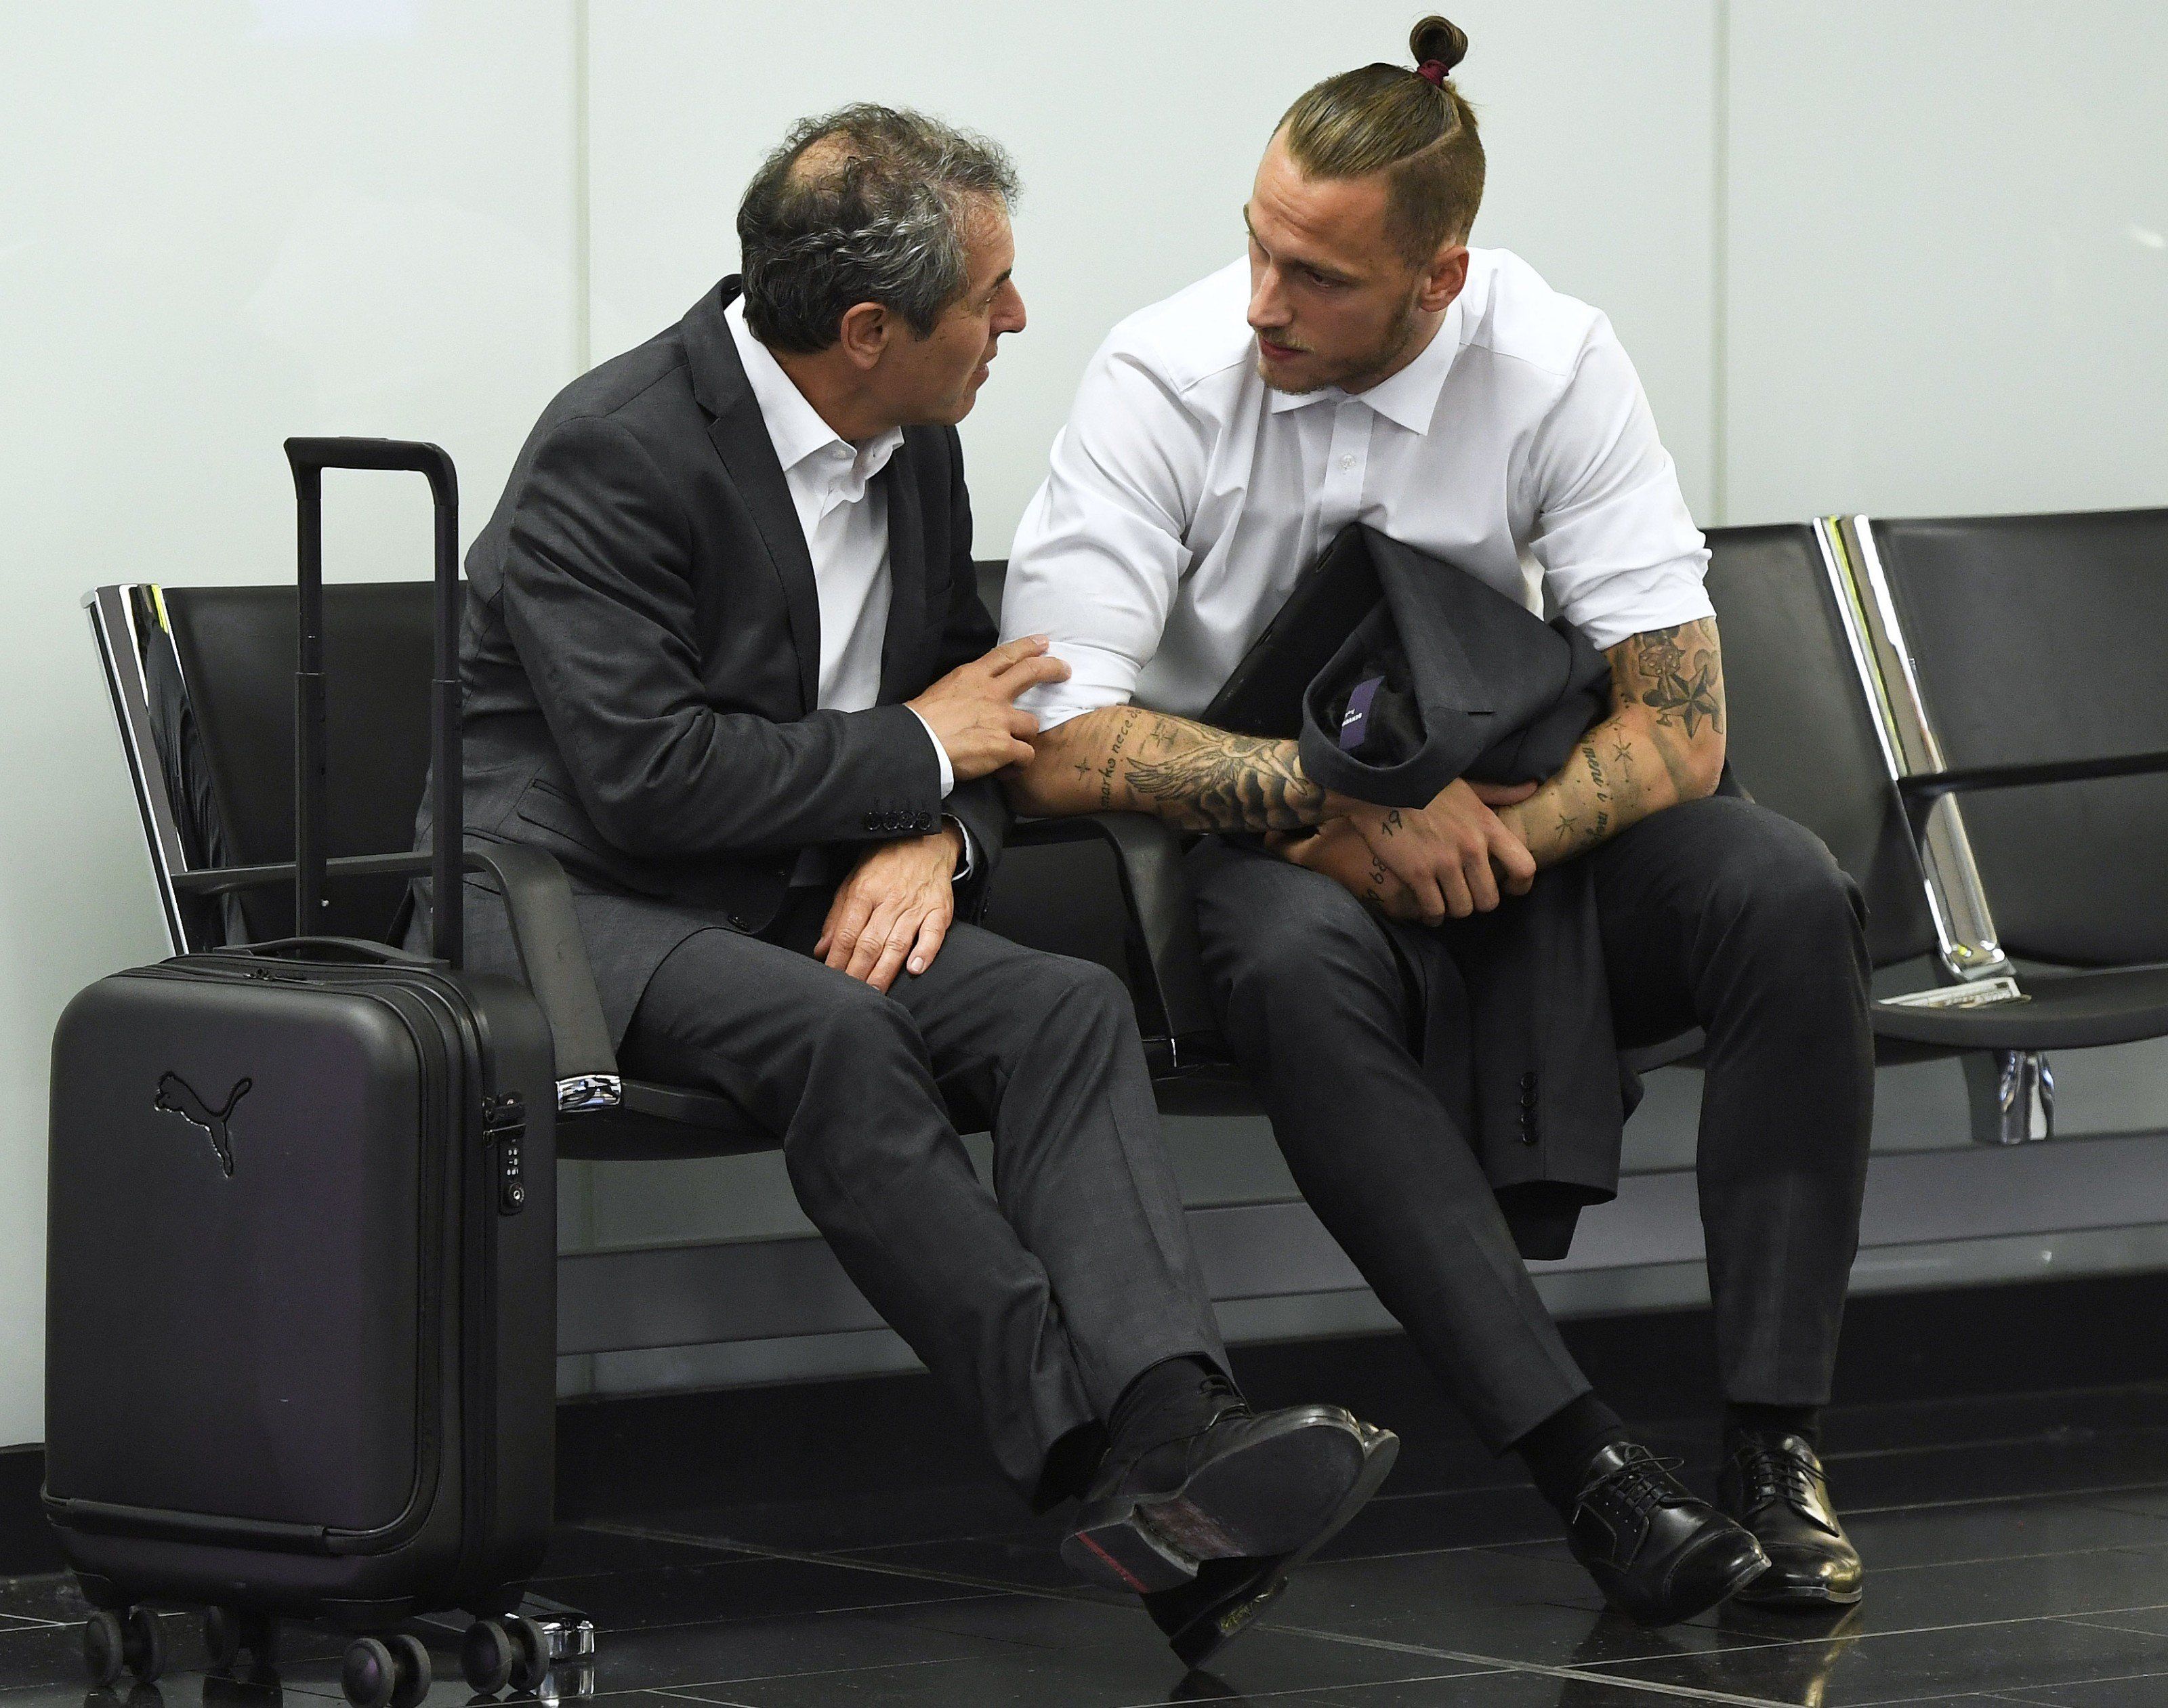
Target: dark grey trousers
(1716, 913)
(1034, 1303)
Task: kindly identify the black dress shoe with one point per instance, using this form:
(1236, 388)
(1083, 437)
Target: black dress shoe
(1658, 1554)
(1246, 1486)
(1201, 1617)
(1774, 1485)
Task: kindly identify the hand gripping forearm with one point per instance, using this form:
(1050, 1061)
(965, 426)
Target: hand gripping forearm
(1124, 759)
(1663, 744)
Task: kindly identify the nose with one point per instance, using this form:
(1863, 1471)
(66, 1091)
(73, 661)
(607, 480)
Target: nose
(1008, 312)
(1268, 309)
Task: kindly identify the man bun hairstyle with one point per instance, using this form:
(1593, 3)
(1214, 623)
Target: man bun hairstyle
(1437, 38)
(1412, 126)
(866, 204)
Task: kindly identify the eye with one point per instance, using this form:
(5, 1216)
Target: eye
(1320, 280)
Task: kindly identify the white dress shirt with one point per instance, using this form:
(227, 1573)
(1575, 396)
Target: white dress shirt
(1186, 498)
(844, 518)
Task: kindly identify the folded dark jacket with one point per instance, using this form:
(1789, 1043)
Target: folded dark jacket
(1446, 678)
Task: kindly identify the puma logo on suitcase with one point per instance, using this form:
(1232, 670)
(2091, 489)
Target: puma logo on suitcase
(176, 1096)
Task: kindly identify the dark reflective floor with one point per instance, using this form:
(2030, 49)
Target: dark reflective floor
(2017, 1549)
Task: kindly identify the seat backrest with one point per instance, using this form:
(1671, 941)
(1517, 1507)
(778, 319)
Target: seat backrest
(1802, 738)
(2037, 638)
(237, 650)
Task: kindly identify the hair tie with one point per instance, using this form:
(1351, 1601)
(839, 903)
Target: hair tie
(1434, 71)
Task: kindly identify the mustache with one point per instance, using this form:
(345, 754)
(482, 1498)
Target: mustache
(1300, 349)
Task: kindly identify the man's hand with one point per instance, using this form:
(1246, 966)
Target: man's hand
(1454, 854)
(972, 710)
(1337, 850)
(899, 900)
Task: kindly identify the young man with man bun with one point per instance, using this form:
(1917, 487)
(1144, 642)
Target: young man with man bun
(1365, 365)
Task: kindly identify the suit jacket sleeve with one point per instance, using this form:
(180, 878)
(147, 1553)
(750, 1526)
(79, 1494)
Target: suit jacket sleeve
(968, 633)
(599, 604)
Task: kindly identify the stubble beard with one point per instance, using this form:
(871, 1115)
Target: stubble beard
(1354, 374)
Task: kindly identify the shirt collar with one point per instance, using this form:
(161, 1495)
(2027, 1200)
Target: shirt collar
(1409, 397)
(795, 426)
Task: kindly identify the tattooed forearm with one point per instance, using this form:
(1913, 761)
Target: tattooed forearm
(1677, 673)
(1662, 744)
(1126, 758)
(1208, 779)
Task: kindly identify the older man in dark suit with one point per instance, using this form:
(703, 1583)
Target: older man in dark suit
(726, 659)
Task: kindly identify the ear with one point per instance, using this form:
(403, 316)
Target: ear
(1443, 278)
(864, 333)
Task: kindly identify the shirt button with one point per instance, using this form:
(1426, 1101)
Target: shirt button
(1347, 462)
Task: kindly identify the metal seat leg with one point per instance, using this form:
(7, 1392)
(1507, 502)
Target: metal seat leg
(2012, 1096)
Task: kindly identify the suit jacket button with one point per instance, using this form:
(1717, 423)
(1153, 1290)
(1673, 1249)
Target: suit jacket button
(738, 920)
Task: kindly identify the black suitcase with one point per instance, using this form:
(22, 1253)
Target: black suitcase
(301, 1355)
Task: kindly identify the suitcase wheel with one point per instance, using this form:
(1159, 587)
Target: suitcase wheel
(485, 1656)
(112, 1641)
(513, 1650)
(102, 1649)
(532, 1665)
(379, 1673)
(227, 1632)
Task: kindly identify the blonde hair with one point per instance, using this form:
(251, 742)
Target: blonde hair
(1420, 132)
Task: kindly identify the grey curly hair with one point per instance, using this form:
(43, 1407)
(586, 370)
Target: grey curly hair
(866, 204)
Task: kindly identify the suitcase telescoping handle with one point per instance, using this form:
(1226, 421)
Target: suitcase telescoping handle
(310, 457)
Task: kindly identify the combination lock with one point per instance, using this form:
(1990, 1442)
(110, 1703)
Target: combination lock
(504, 1123)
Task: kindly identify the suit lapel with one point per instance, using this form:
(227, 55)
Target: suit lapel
(741, 437)
(907, 573)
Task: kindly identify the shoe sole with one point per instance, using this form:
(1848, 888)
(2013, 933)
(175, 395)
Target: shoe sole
(1277, 1493)
(1804, 1597)
(1218, 1623)
(1750, 1566)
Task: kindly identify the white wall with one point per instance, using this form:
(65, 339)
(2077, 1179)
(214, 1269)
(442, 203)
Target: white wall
(1914, 257)
(1947, 264)
(220, 225)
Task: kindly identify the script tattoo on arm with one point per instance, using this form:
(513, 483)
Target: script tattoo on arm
(1662, 744)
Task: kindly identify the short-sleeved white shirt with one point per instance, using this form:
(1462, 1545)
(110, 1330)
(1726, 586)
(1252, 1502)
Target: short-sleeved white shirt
(1185, 497)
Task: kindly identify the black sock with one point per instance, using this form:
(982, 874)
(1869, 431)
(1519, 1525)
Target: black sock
(1558, 1450)
(1167, 1401)
(1742, 1419)
(1071, 1464)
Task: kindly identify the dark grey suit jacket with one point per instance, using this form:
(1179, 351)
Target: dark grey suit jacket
(1479, 686)
(640, 653)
